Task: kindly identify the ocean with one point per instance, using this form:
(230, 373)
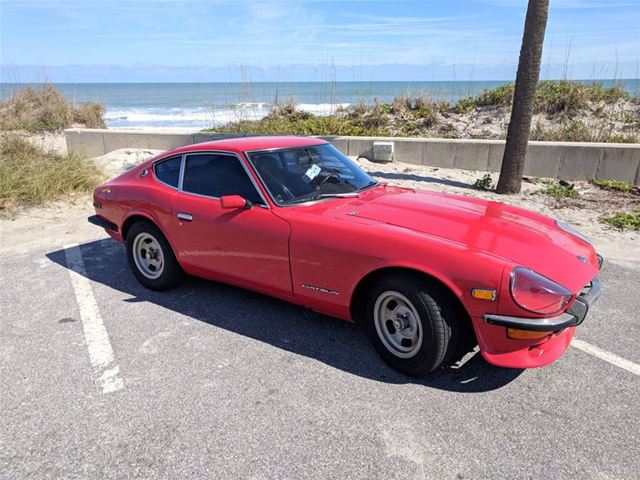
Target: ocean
(194, 106)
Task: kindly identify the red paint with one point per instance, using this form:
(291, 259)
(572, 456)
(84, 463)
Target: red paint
(333, 244)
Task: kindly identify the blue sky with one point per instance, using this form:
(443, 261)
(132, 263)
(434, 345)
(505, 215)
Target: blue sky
(80, 40)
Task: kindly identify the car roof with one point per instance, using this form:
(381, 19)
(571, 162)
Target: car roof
(245, 144)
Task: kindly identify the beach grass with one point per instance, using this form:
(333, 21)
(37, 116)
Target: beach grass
(553, 96)
(560, 190)
(32, 177)
(614, 185)
(624, 220)
(45, 109)
(565, 111)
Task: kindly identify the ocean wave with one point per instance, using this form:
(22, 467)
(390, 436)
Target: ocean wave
(201, 117)
(322, 108)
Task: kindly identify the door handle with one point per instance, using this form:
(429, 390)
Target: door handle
(187, 217)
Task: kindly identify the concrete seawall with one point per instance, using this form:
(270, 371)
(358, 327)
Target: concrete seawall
(566, 160)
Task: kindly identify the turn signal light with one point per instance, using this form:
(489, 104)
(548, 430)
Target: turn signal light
(483, 294)
(518, 334)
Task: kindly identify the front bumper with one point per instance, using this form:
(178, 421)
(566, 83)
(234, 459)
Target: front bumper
(571, 318)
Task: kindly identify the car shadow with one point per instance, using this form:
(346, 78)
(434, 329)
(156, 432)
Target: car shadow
(334, 342)
(420, 178)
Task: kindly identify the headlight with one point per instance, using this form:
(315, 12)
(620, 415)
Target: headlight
(536, 293)
(573, 232)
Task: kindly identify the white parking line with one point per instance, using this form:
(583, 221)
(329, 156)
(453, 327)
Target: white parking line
(95, 334)
(612, 358)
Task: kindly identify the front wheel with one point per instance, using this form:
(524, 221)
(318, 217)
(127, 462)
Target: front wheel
(412, 323)
(150, 257)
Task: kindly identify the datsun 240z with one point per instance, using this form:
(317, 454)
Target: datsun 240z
(428, 275)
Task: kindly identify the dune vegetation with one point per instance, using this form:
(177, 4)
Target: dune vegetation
(564, 111)
(45, 109)
(31, 177)
(624, 220)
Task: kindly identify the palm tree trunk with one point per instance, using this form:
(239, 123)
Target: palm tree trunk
(524, 95)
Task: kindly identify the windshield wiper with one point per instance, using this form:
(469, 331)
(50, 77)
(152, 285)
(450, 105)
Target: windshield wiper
(372, 183)
(319, 196)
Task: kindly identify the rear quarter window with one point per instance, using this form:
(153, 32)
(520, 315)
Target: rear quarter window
(168, 171)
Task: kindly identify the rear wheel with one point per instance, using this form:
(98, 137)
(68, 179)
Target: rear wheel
(412, 322)
(150, 257)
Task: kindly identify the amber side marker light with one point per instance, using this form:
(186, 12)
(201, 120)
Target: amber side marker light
(518, 334)
(483, 294)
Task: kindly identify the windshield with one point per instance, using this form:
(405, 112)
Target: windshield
(298, 175)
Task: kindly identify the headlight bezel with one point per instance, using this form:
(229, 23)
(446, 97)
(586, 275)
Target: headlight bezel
(564, 295)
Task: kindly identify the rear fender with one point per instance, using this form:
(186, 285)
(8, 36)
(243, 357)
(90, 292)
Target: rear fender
(130, 219)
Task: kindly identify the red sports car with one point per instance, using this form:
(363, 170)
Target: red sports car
(426, 274)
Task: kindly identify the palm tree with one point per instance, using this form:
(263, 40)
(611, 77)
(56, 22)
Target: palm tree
(525, 90)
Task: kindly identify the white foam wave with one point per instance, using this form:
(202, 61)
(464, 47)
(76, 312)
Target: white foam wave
(201, 117)
(322, 108)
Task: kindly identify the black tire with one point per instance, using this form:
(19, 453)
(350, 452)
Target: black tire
(438, 320)
(171, 274)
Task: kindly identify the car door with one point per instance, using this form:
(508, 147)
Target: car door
(250, 245)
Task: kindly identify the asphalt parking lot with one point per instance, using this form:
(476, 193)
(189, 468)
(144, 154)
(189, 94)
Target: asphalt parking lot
(211, 381)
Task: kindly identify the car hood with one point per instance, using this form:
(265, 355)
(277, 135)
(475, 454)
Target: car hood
(513, 234)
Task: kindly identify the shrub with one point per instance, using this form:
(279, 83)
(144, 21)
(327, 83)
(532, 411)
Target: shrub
(401, 103)
(568, 97)
(89, 114)
(483, 183)
(558, 190)
(577, 131)
(615, 185)
(620, 138)
(306, 124)
(45, 109)
(31, 177)
(552, 96)
(465, 105)
(624, 220)
(501, 96)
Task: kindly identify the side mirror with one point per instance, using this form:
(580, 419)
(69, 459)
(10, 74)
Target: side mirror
(234, 202)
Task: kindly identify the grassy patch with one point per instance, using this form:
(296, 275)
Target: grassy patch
(483, 183)
(31, 177)
(577, 131)
(568, 97)
(624, 220)
(500, 96)
(552, 96)
(306, 125)
(614, 185)
(558, 190)
(38, 109)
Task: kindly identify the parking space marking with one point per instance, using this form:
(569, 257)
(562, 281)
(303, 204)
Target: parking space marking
(612, 358)
(95, 333)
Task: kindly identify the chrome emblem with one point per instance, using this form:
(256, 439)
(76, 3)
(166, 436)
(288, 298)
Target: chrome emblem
(320, 289)
(583, 259)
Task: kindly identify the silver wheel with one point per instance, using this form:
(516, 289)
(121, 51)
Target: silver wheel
(147, 255)
(398, 324)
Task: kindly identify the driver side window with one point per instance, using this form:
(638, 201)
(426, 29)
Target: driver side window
(282, 172)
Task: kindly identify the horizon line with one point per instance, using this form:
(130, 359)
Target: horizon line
(318, 81)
